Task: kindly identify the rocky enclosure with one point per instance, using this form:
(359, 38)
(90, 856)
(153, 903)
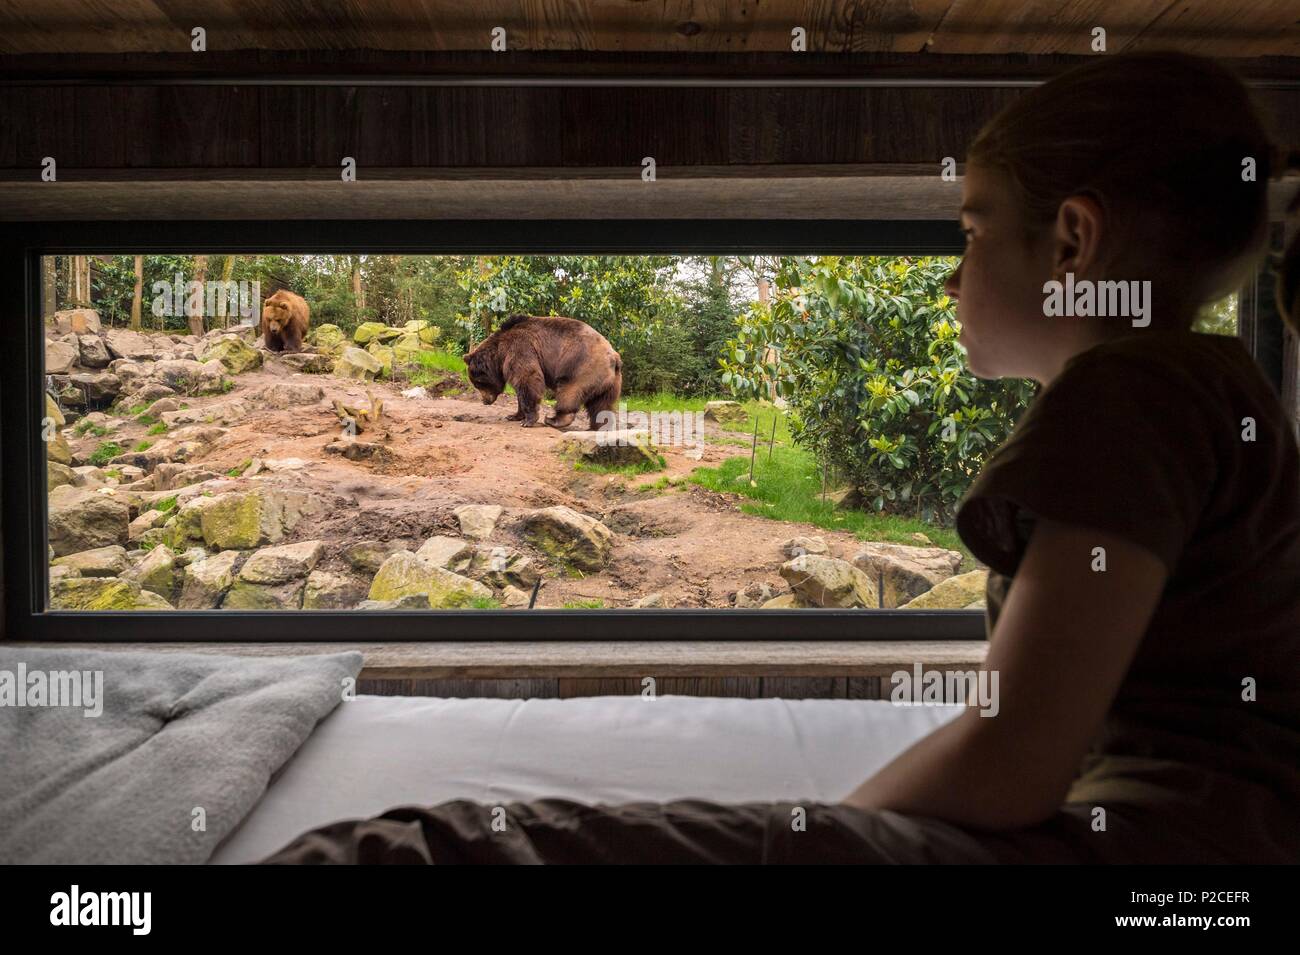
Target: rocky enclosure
(206, 473)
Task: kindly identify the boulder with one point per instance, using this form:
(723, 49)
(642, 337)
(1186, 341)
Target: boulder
(804, 545)
(327, 339)
(158, 573)
(829, 582)
(207, 580)
(161, 405)
(384, 355)
(502, 567)
(409, 602)
(103, 593)
(725, 412)
(753, 596)
(148, 392)
(403, 574)
(167, 475)
(57, 474)
(79, 321)
(330, 591)
(147, 521)
(56, 447)
(626, 448)
(449, 553)
(99, 387)
(84, 518)
(235, 354)
(375, 331)
(955, 593)
(649, 601)
(579, 542)
(358, 364)
(92, 352)
(907, 571)
(59, 357)
(426, 332)
(190, 377)
(514, 597)
(245, 595)
(368, 556)
(478, 520)
(133, 345)
(279, 565)
(408, 347)
(790, 601)
(61, 573)
(286, 394)
(247, 519)
(309, 363)
(100, 562)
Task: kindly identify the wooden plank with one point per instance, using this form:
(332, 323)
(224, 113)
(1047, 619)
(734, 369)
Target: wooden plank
(805, 688)
(1043, 26)
(744, 687)
(587, 659)
(461, 689)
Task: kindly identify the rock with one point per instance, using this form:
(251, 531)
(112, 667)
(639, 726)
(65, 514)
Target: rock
(514, 597)
(804, 545)
(449, 553)
(309, 363)
(99, 388)
(329, 591)
(56, 448)
(408, 347)
(355, 450)
(92, 352)
(649, 601)
(829, 582)
(79, 321)
(368, 556)
(921, 539)
(478, 520)
(327, 339)
(59, 357)
(955, 593)
(245, 595)
(158, 573)
(101, 562)
(207, 580)
(418, 392)
(167, 475)
(103, 593)
(976, 605)
(790, 601)
(409, 602)
(186, 525)
(247, 519)
(146, 522)
(57, 474)
(84, 519)
(161, 405)
(355, 363)
(286, 394)
(149, 391)
(235, 354)
(190, 377)
(133, 345)
(725, 412)
(278, 565)
(628, 447)
(375, 331)
(384, 355)
(404, 574)
(754, 595)
(62, 573)
(575, 540)
(908, 571)
(502, 567)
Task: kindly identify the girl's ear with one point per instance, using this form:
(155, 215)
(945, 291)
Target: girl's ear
(1077, 237)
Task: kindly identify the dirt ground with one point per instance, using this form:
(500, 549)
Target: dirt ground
(692, 545)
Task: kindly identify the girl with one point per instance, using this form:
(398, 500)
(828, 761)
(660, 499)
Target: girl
(1141, 526)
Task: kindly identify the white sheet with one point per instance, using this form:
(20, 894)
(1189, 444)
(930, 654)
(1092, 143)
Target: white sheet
(374, 753)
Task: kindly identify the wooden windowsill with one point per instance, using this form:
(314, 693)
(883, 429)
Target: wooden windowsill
(601, 659)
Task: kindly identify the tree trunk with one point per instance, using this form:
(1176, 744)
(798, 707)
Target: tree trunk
(49, 287)
(137, 298)
(358, 293)
(200, 276)
(81, 281)
(227, 268)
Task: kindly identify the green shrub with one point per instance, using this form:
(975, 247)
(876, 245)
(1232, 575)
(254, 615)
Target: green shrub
(105, 453)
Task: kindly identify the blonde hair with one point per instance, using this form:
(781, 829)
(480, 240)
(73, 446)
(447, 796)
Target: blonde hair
(1162, 141)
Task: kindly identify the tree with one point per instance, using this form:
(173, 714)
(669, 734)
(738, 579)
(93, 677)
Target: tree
(137, 297)
(49, 286)
(195, 314)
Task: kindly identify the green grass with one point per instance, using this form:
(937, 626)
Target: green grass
(158, 428)
(166, 504)
(145, 419)
(583, 605)
(143, 446)
(640, 467)
(105, 453)
(240, 468)
(89, 427)
(113, 473)
(483, 603)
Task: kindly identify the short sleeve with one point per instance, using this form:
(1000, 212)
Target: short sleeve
(1115, 443)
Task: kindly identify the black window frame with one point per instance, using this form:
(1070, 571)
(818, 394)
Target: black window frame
(22, 453)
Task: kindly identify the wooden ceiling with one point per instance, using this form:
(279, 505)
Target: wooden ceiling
(1230, 28)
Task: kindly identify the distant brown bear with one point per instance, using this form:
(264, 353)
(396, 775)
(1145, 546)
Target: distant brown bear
(285, 317)
(538, 354)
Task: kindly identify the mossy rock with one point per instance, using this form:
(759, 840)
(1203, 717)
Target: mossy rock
(404, 575)
(103, 593)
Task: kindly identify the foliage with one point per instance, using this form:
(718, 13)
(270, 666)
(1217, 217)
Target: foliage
(865, 351)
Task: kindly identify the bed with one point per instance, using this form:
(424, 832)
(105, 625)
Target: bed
(373, 753)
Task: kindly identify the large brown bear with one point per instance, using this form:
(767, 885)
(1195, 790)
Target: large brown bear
(285, 318)
(539, 354)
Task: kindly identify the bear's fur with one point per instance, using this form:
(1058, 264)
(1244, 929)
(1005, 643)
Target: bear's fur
(537, 354)
(285, 318)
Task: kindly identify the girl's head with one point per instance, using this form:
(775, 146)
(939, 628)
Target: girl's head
(1138, 168)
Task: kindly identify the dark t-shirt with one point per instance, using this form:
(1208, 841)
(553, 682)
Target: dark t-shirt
(1143, 436)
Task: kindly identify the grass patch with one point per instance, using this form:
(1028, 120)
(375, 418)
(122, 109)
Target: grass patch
(166, 504)
(105, 453)
(158, 428)
(113, 473)
(143, 446)
(640, 467)
(240, 468)
(583, 605)
(147, 419)
(483, 603)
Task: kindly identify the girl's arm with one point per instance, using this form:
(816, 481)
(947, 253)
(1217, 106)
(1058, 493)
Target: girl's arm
(1062, 644)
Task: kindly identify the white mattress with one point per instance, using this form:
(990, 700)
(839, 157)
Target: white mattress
(374, 753)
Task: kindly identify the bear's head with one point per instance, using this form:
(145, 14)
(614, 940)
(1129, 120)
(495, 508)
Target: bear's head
(275, 313)
(484, 368)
